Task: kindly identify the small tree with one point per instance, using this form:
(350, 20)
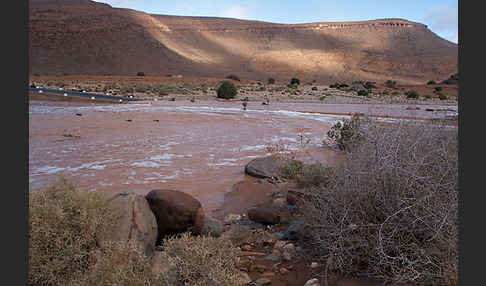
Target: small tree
(226, 90)
(233, 77)
(271, 80)
(412, 94)
(442, 96)
(431, 82)
(140, 74)
(363, 92)
(295, 81)
(390, 83)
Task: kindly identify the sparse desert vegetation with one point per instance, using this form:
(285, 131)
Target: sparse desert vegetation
(390, 211)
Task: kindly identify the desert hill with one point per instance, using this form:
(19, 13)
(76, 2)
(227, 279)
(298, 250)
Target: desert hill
(90, 38)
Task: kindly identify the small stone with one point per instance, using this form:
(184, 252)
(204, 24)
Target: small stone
(276, 252)
(244, 278)
(290, 248)
(258, 267)
(280, 202)
(279, 235)
(279, 244)
(272, 257)
(312, 282)
(231, 218)
(287, 256)
(268, 274)
(262, 282)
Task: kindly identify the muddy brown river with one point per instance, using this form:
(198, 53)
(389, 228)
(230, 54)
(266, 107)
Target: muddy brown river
(200, 148)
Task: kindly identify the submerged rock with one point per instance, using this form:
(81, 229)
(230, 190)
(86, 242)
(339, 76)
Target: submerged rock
(265, 167)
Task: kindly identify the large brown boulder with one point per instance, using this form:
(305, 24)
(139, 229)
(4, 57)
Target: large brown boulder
(265, 167)
(265, 215)
(133, 222)
(175, 212)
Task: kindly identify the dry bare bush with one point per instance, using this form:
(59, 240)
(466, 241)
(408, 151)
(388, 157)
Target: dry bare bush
(203, 260)
(390, 211)
(63, 226)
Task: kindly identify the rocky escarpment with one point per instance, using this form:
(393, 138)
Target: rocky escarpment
(85, 37)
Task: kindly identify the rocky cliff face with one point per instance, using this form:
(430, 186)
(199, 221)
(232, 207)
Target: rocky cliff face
(85, 37)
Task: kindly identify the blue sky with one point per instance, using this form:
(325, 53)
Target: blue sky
(439, 15)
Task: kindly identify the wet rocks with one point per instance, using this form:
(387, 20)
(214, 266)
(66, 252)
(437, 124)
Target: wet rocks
(312, 282)
(175, 212)
(133, 222)
(265, 167)
(212, 226)
(265, 215)
(294, 230)
(262, 282)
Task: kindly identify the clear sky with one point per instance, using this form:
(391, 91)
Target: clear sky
(439, 15)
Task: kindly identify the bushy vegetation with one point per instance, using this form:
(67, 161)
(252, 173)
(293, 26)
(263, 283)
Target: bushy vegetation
(291, 169)
(431, 82)
(64, 224)
(203, 260)
(369, 85)
(437, 89)
(233, 77)
(345, 135)
(390, 83)
(271, 80)
(442, 96)
(338, 85)
(226, 90)
(140, 74)
(363, 92)
(390, 210)
(294, 81)
(412, 94)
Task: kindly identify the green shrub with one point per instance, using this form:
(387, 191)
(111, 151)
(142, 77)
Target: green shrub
(140, 74)
(442, 96)
(437, 89)
(233, 77)
(369, 85)
(428, 96)
(64, 224)
(314, 88)
(291, 169)
(431, 82)
(390, 83)
(412, 94)
(395, 93)
(390, 210)
(203, 260)
(226, 90)
(271, 80)
(363, 92)
(295, 81)
(345, 135)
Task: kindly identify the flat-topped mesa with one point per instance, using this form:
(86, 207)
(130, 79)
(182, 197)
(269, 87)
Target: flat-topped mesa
(97, 39)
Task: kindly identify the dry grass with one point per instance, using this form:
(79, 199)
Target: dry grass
(390, 211)
(203, 260)
(63, 226)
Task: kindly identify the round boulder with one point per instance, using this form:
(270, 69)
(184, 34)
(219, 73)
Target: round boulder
(175, 212)
(265, 167)
(265, 215)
